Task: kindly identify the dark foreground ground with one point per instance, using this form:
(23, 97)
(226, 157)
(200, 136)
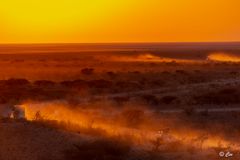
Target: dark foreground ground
(52, 140)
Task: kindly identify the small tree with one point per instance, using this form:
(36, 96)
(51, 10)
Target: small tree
(87, 71)
(38, 116)
(157, 143)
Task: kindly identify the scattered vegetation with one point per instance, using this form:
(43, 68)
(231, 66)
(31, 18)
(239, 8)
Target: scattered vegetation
(133, 117)
(168, 99)
(87, 71)
(103, 84)
(223, 97)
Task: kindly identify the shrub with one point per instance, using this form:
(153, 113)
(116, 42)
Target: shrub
(158, 83)
(233, 73)
(87, 71)
(133, 117)
(228, 91)
(100, 83)
(16, 82)
(128, 85)
(135, 72)
(111, 74)
(157, 143)
(189, 111)
(66, 83)
(120, 100)
(224, 96)
(165, 73)
(75, 84)
(38, 116)
(205, 113)
(168, 99)
(181, 72)
(151, 99)
(44, 83)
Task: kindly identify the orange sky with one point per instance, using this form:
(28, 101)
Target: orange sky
(53, 21)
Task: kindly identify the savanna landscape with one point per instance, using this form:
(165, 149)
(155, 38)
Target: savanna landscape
(114, 103)
(119, 80)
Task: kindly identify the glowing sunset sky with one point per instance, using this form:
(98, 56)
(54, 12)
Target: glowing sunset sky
(45, 21)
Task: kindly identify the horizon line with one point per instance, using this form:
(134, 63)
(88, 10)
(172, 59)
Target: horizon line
(166, 42)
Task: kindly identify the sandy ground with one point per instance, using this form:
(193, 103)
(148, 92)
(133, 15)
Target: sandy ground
(26, 141)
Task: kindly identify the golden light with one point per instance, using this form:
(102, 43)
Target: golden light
(223, 57)
(96, 119)
(147, 57)
(54, 20)
(28, 21)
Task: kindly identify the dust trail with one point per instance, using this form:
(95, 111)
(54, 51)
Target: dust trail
(148, 57)
(130, 123)
(223, 57)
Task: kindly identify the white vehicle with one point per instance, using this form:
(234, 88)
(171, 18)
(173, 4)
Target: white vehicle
(18, 112)
(12, 111)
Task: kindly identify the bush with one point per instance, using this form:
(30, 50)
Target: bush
(111, 74)
(158, 83)
(224, 96)
(181, 72)
(87, 71)
(75, 84)
(189, 111)
(100, 83)
(233, 73)
(168, 99)
(44, 83)
(205, 113)
(228, 91)
(165, 73)
(157, 143)
(121, 100)
(128, 85)
(133, 117)
(16, 82)
(151, 99)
